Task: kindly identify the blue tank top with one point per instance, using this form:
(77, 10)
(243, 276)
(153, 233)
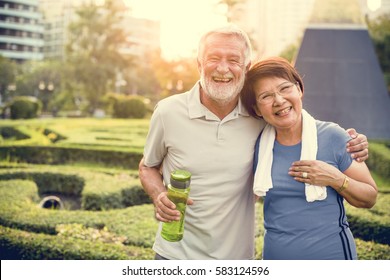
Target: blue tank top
(295, 228)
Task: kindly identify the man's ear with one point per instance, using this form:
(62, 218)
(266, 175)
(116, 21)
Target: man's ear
(248, 67)
(199, 65)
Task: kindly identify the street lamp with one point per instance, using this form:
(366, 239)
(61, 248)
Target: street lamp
(45, 89)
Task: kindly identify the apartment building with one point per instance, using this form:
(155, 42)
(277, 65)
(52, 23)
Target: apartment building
(21, 30)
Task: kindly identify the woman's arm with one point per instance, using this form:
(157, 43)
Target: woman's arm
(361, 191)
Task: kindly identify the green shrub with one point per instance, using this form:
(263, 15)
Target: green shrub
(135, 196)
(53, 135)
(369, 230)
(10, 133)
(129, 107)
(18, 210)
(102, 201)
(371, 224)
(368, 250)
(379, 159)
(98, 191)
(64, 155)
(21, 245)
(49, 182)
(25, 107)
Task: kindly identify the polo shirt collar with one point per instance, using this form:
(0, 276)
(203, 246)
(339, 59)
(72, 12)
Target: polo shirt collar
(197, 110)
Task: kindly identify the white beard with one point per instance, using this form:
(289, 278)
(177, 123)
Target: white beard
(220, 92)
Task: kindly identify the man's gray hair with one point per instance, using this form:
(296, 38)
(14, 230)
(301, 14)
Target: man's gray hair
(227, 30)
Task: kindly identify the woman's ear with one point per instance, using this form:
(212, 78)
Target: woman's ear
(300, 92)
(257, 111)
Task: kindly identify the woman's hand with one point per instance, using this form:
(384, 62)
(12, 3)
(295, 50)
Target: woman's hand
(316, 172)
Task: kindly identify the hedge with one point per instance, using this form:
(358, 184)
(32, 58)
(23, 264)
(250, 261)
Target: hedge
(120, 231)
(22, 245)
(24, 107)
(19, 210)
(64, 155)
(129, 107)
(96, 190)
(379, 159)
(371, 224)
(47, 182)
(10, 133)
(39, 229)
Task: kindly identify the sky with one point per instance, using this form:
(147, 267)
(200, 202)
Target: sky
(182, 22)
(373, 4)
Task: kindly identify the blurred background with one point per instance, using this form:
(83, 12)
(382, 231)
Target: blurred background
(79, 81)
(77, 58)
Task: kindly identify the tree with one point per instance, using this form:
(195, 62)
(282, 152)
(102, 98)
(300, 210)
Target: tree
(8, 72)
(141, 79)
(176, 76)
(380, 33)
(289, 52)
(42, 79)
(233, 11)
(94, 49)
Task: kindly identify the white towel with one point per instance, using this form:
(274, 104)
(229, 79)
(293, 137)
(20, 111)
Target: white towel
(263, 181)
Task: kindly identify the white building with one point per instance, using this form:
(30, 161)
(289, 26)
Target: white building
(144, 34)
(21, 31)
(275, 24)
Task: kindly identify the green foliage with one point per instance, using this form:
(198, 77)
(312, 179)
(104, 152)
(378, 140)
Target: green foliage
(95, 40)
(290, 52)
(53, 136)
(105, 142)
(129, 107)
(41, 79)
(379, 159)
(8, 72)
(115, 219)
(175, 76)
(79, 231)
(373, 224)
(135, 196)
(368, 250)
(24, 107)
(64, 155)
(23, 245)
(10, 133)
(47, 182)
(379, 29)
(97, 190)
(134, 226)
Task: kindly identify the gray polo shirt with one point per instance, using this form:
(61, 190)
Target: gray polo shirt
(184, 134)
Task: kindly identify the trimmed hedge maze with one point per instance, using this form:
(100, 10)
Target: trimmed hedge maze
(91, 166)
(114, 218)
(30, 232)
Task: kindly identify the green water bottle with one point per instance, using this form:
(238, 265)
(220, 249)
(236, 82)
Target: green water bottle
(178, 191)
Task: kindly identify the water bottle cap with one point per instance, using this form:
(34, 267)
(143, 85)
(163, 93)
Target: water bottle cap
(181, 175)
(180, 179)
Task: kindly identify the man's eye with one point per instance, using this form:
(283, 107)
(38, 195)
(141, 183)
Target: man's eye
(213, 59)
(234, 61)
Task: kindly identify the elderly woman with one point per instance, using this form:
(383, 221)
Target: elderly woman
(302, 170)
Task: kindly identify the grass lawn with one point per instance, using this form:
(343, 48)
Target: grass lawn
(110, 134)
(105, 183)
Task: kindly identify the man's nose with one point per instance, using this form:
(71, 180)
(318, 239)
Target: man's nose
(223, 66)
